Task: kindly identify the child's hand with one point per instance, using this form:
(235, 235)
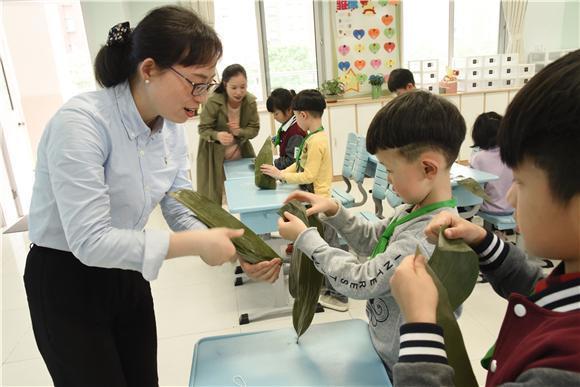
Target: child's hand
(225, 138)
(291, 227)
(271, 170)
(218, 247)
(457, 228)
(263, 271)
(414, 290)
(319, 204)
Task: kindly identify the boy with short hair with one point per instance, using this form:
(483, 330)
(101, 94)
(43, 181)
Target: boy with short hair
(417, 137)
(539, 341)
(401, 81)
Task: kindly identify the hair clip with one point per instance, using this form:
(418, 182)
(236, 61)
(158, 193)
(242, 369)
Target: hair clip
(119, 34)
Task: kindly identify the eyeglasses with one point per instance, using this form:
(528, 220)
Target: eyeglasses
(198, 88)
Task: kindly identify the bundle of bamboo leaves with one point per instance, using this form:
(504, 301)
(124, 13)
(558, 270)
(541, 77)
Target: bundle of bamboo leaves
(265, 156)
(454, 268)
(250, 246)
(474, 187)
(305, 281)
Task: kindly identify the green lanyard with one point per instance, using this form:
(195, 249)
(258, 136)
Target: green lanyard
(279, 133)
(384, 240)
(299, 155)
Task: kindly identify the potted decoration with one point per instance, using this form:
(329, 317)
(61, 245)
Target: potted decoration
(376, 82)
(331, 89)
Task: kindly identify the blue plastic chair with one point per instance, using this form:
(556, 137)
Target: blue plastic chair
(499, 222)
(469, 202)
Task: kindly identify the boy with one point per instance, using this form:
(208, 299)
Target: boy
(313, 171)
(417, 137)
(539, 341)
(401, 81)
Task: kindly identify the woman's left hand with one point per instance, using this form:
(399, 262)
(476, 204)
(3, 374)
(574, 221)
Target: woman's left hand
(290, 227)
(234, 128)
(271, 170)
(263, 271)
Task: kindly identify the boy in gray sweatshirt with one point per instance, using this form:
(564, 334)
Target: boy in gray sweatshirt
(417, 137)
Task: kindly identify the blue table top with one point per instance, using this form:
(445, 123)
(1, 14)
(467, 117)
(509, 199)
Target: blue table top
(242, 168)
(244, 196)
(336, 353)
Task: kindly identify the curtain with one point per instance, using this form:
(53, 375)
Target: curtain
(204, 8)
(514, 12)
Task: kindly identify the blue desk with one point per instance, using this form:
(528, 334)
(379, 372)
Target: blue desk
(333, 354)
(237, 169)
(257, 207)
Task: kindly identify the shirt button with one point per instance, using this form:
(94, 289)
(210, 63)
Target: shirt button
(520, 310)
(493, 366)
(142, 152)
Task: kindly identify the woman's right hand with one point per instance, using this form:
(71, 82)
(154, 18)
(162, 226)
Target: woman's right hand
(216, 247)
(225, 138)
(457, 228)
(319, 204)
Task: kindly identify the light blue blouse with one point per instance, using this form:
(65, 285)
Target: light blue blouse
(100, 172)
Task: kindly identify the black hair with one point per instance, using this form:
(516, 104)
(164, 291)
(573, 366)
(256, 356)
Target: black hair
(399, 79)
(229, 72)
(310, 101)
(416, 121)
(485, 127)
(280, 99)
(542, 125)
(169, 35)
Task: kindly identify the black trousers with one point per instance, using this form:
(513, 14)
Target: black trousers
(93, 326)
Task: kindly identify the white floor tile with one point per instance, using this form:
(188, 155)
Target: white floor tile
(26, 373)
(15, 324)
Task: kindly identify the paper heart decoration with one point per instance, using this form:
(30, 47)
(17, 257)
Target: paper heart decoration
(389, 46)
(389, 32)
(374, 47)
(343, 66)
(358, 34)
(362, 78)
(364, 2)
(382, 3)
(376, 63)
(359, 47)
(386, 19)
(359, 64)
(374, 32)
(343, 49)
(394, 2)
(390, 63)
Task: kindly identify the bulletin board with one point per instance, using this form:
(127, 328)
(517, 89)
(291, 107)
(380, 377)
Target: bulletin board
(366, 41)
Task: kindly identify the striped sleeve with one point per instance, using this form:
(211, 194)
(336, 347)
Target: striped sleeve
(492, 252)
(422, 342)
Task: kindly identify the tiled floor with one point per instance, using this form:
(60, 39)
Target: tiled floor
(193, 301)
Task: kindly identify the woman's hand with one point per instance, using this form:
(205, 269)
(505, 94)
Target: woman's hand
(234, 128)
(319, 204)
(457, 228)
(216, 247)
(290, 227)
(262, 271)
(415, 291)
(225, 138)
(271, 170)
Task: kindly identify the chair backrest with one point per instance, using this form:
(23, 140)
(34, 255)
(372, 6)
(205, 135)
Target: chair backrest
(381, 184)
(361, 161)
(349, 155)
(465, 198)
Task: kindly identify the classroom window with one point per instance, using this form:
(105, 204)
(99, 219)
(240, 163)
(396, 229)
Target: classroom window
(289, 57)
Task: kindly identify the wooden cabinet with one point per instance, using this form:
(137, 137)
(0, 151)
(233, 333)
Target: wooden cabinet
(364, 115)
(497, 102)
(472, 105)
(342, 121)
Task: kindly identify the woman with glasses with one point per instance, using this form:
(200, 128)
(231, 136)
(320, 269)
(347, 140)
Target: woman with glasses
(228, 121)
(105, 160)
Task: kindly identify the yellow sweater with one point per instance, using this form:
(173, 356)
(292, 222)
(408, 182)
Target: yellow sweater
(316, 163)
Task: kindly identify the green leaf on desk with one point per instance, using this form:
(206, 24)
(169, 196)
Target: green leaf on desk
(265, 156)
(250, 246)
(304, 280)
(454, 268)
(474, 187)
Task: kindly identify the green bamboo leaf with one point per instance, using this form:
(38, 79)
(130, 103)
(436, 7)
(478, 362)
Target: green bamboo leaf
(454, 268)
(304, 280)
(250, 246)
(265, 156)
(474, 187)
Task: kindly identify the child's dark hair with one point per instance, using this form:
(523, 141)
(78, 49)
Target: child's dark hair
(229, 72)
(542, 125)
(485, 127)
(417, 121)
(310, 101)
(169, 35)
(399, 79)
(280, 99)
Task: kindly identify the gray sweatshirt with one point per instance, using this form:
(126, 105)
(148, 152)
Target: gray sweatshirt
(369, 280)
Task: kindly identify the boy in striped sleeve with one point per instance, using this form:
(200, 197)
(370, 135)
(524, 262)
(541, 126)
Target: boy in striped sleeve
(539, 341)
